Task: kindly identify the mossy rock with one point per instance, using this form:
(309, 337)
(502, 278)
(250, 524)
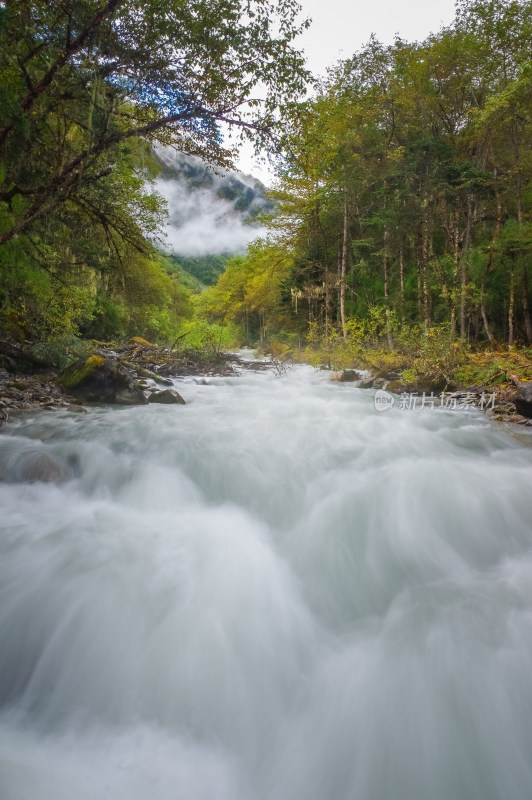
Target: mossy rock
(102, 380)
(75, 374)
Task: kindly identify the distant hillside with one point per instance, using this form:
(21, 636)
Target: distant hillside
(196, 271)
(210, 213)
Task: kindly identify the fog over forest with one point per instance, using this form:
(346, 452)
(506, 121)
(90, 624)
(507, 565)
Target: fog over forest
(208, 212)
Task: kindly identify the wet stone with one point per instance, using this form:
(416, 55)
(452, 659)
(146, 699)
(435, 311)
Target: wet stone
(166, 396)
(41, 467)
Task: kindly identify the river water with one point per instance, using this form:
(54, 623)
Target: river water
(272, 593)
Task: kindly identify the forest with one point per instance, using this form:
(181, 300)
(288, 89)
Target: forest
(87, 90)
(402, 199)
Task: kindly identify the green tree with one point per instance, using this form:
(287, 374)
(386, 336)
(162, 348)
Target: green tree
(79, 79)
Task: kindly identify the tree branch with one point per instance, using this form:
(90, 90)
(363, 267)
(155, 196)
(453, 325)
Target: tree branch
(70, 50)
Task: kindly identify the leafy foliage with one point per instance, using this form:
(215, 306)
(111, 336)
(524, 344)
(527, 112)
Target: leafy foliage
(404, 201)
(86, 89)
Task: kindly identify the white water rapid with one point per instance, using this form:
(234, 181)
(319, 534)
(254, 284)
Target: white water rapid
(271, 593)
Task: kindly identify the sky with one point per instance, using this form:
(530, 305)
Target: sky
(340, 28)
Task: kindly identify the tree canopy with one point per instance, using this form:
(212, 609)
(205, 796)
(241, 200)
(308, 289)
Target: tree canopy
(86, 88)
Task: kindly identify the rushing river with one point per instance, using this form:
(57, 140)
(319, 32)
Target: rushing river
(272, 593)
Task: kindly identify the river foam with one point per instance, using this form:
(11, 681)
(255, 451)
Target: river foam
(271, 593)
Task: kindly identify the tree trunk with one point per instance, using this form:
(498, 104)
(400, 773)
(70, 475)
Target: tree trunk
(386, 270)
(326, 268)
(455, 237)
(402, 282)
(423, 259)
(511, 307)
(343, 269)
(463, 267)
(524, 278)
(489, 334)
(525, 304)
(489, 264)
(19, 353)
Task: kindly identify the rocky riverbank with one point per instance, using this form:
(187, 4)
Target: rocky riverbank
(21, 392)
(134, 373)
(508, 403)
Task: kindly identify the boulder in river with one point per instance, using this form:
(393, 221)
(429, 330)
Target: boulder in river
(100, 379)
(367, 383)
(523, 399)
(380, 383)
(348, 376)
(41, 467)
(166, 396)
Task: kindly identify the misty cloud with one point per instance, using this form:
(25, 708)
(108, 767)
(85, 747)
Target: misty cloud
(200, 223)
(209, 212)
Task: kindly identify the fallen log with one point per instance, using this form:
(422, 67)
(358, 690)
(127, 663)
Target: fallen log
(146, 373)
(18, 353)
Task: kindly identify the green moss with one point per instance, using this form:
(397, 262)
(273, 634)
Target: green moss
(77, 373)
